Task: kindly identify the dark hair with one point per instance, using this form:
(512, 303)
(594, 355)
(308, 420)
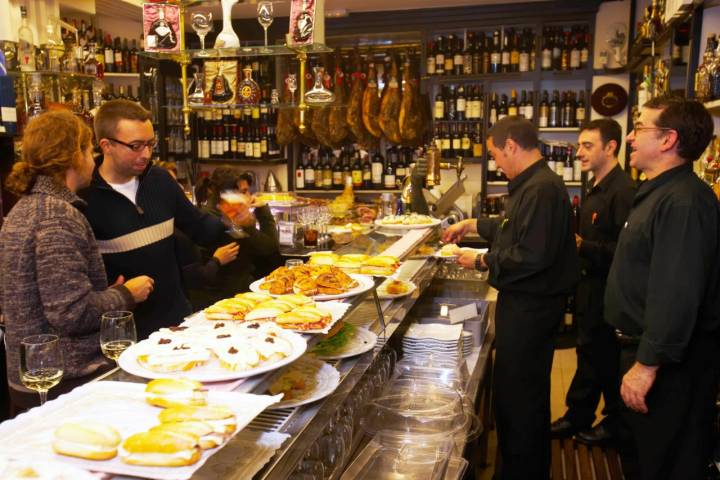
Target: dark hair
(520, 130)
(609, 130)
(248, 177)
(52, 143)
(110, 114)
(224, 178)
(689, 118)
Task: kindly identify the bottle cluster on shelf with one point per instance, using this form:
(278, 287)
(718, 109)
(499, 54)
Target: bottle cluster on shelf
(459, 140)
(507, 50)
(236, 134)
(559, 111)
(87, 51)
(565, 49)
(562, 160)
(325, 169)
(707, 77)
(459, 103)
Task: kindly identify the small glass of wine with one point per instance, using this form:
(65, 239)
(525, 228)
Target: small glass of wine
(41, 363)
(265, 19)
(117, 333)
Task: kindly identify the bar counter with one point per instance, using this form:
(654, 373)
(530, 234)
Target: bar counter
(306, 425)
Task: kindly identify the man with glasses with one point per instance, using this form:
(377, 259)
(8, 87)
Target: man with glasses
(663, 295)
(133, 207)
(602, 216)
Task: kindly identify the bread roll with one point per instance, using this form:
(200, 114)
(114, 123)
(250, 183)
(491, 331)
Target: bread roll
(171, 392)
(92, 441)
(161, 449)
(207, 438)
(222, 419)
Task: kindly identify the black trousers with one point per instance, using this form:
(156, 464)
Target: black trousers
(674, 440)
(525, 327)
(598, 368)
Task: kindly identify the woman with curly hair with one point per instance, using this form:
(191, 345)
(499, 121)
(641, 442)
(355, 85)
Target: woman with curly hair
(52, 278)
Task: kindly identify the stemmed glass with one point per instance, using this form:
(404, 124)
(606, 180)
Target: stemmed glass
(117, 333)
(265, 19)
(292, 85)
(41, 363)
(202, 24)
(233, 203)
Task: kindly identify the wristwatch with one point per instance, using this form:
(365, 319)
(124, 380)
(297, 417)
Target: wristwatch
(479, 263)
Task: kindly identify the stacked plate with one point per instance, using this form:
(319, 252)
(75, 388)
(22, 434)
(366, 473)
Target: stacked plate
(432, 339)
(467, 340)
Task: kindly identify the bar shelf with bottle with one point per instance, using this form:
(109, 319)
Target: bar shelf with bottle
(503, 183)
(121, 75)
(241, 52)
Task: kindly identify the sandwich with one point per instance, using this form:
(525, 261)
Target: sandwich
(396, 287)
(255, 297)
(172, 356)
(172, 392)
(206, 436)
(236, 356)
(221, 419)
(380, 265)
(161, 449)
(293, 384)
(304, 318)
(323, 258)
(271, 347)
(91, 441)
(336, 339)
(296, 299)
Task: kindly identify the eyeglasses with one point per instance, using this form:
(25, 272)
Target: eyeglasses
(640, 128)
(135, 146)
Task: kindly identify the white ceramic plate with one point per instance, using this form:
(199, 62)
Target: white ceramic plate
(42, 469)
(211, 371)
(364, 340)
(397, 226)
(383, 295)
(365, 283)
(478, 251)
(327, 379)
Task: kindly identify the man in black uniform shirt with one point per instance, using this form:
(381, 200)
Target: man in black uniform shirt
(662, 294)
(602, 216)
(533, 263)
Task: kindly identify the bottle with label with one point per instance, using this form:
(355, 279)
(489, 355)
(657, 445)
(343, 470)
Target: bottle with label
(309, 175)
(513, 105)
(450, 55)
(493, 110)
(495, 53)
(458, 57)
(356, 171)
(524, 54)
(109, 54)
(580, 110)
(544, 113)
(439, 110)
(26, 44)
(515, 52)
(555, 119)
(502, 111)
(559, 162)
(505, 51)
(477, 142)
(248, 90)
(547, 50)
(91, 65)
(467, 62)
(466, 143)
(161, 34)
(366, 173)
(389, 176)
(549, 154)
(574, 50)
(377, 169)
(461, 103)
(529, 106)
(430, 59)
(300, 175)
(568, 168)
(439, 56)
(577, 166)
(118, 60)
(491, 169)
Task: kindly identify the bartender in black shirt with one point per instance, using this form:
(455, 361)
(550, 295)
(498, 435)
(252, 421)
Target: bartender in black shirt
(663, 294)
(533, 263)
(602, 216)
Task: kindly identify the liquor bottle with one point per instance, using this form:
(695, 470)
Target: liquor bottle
(134, 57)
(446, 143)
(514, 52)
(26, 44)
(118, 58)
(555, 119)
(91, 65)
(568, 168)
(524, 54)
(505, 51)
(337, 174)
(467, 61)
(231, 132)
(401, 169)
(458, 58)
(513, 105)
(495, 53)
(346, 167)
(461, 103)
(273, 146)
(466, 143)
(585, 49)
(492, 175)
(493, 110)
(125, 56)
(530, 106)
(300, 174)
(430, 59)
(450, 104)
(456, 142)
(549, 155)
(439, 110)
(377, 170)
(309, 171)
(256, 144)
(547, 50)
(478, 53)
(502, 110)
(248, 90)
(249, 150)
(568, 112)
(162, 33)
(522, 103)
(577, 166)
(580, 110)
(477, 142)
(366, 173)
(559, 162)
(109, 54)
(565, 52)
(263, 142)
(327, 172)
(449, 55)
(439, 56)
(574, 50)
(557, 48)
(389, 176)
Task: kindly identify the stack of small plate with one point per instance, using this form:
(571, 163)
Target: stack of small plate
(467, 338)
(432, 339)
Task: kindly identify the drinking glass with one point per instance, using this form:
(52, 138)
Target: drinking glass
(293, 262)
(202, 24)
(292, 86)
(234, 203)
(117, 333)
(41, 363)
(265, 19)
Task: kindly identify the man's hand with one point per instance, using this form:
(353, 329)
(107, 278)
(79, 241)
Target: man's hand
(140, 287)
(467, 259)
(227, 253)
(256, 201)
(455, 233)
(636, 384)
(578, 241)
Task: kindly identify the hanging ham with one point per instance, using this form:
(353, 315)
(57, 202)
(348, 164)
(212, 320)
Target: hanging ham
(389, 119)
(337, 121)
(371, 104)
(411, 122)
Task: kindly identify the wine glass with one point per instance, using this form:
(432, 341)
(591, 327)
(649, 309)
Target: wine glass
(202, 24)
(117, 333)
(292, 85)
(41, 363)
(265, 19)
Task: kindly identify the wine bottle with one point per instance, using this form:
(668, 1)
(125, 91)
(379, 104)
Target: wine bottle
(467, 62)
(377, 170)
(430, 59)
(309, 174)
(300, 174)
(366, 173)
(458, 58)
(449, 55)
(389, 176)
(513, 105)
(461, 103)
(439, 56)
(495, 53)
(505, 51)
(547, 50)
(544, 114)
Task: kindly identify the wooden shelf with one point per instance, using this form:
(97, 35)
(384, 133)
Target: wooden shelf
(243, 161)
(559, 130)
(121, 75)
(504, 184)
(713, 106)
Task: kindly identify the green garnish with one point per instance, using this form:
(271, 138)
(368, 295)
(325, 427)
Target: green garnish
(331, 345)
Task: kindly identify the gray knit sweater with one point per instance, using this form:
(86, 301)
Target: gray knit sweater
(52, 279)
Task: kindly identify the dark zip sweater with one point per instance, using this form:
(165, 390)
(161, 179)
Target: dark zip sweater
(137, 239)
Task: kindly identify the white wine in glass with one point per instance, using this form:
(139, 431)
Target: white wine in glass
(117, 333)
(41, 363)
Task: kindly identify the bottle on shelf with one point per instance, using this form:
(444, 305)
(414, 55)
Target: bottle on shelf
(546, 55)
(524, 53)
(467, 55)
(109, 54)
(544, 113)
(505, 51)
(580, 110)
(366, 173)
(513, 104)
(458, 57)
(118, 59)
(568, 168)
(26, 44)
(495, 53)
(449, 55)
(300, 174)
(389, 176)
(439, 56)
(430, 59)
(377, 170)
